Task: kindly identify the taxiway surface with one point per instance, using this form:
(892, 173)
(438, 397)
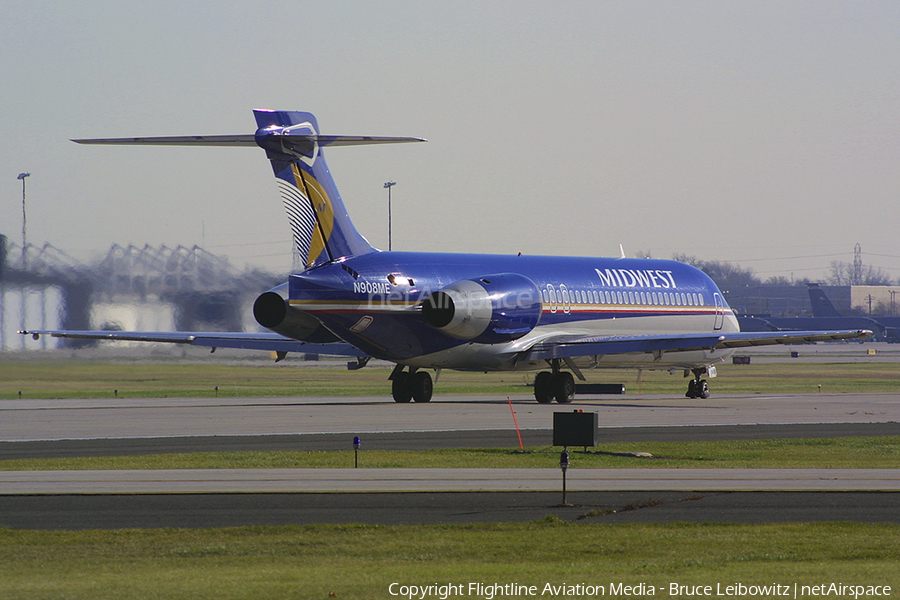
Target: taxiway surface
(60, 419)
(42, 428)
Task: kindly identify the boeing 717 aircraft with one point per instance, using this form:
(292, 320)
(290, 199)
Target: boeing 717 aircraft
(473, 312)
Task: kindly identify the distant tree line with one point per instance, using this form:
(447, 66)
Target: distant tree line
(848, 274)
(729, 275)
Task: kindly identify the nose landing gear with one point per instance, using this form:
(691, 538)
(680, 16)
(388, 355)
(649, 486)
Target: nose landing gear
(698, 388)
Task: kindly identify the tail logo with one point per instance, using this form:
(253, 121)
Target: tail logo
(310, 212)
(321, 228)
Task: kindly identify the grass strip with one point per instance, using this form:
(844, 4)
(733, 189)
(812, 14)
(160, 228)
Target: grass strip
(851, 452)
(129, 378)
(361, 562)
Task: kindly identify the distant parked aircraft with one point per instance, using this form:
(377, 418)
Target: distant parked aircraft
(825, 317)
(821, 305)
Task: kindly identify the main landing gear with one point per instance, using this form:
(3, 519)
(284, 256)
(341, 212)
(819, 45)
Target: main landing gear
(698, 388)
(411, 385)
(556, 385)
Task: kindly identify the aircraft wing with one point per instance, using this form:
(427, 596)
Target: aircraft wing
(269, 341)
(572, 346)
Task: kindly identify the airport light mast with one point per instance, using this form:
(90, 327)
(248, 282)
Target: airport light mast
(388, 185)
(22, 176)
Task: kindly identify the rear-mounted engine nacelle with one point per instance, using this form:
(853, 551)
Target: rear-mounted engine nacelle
(272, 310)
(489, 309)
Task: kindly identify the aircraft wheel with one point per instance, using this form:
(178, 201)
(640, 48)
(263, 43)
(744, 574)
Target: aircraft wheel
(401, 388)
(421, 386)
(543, 387)
(703, 390)
(692, 389)
(564, 387)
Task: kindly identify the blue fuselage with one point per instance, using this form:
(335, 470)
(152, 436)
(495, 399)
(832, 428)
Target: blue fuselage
(374, 302)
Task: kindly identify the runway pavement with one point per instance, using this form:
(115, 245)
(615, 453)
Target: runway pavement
(60, 419)
(117, 511)
(34, 428)
(204, 481)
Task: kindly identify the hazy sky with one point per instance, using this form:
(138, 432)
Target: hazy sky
(741, 131)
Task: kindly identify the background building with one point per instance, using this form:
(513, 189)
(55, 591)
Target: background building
(130, 288)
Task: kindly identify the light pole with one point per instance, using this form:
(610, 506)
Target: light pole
(388, 185)
(22, 176)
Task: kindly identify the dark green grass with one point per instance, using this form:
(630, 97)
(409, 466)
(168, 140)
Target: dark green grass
(192, 377)
(862, 452)
(360, 562)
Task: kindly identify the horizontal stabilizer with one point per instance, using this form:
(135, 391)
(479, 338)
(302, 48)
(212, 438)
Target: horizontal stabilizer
(320, 225)
(226, 141)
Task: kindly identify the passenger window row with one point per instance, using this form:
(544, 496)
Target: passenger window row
(565, 296)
